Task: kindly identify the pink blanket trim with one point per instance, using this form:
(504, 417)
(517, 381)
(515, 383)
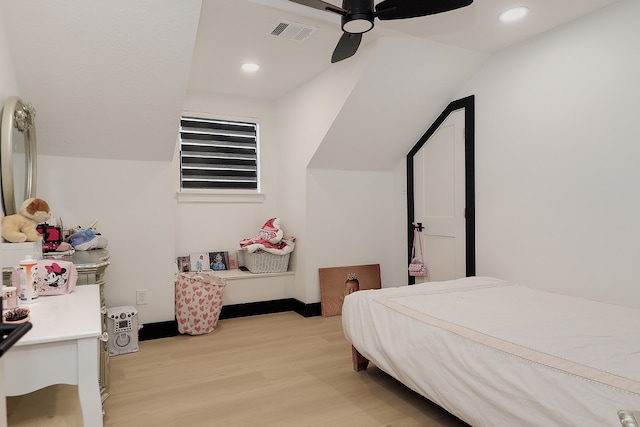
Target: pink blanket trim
(517, 350)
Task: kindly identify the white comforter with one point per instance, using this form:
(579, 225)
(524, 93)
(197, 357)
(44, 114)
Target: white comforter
(496, 354)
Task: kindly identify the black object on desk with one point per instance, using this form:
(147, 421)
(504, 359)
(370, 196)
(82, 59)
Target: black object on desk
(10, 334)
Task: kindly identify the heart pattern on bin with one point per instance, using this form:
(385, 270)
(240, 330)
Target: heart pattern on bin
(198, 302)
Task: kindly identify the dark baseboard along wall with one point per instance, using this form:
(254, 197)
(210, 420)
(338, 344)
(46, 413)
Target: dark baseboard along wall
(169, 328)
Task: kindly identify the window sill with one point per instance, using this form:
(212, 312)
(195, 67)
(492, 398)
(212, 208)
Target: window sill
(221, 197)
(240, 274)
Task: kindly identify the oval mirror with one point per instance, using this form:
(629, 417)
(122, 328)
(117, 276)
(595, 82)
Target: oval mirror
(17, 154)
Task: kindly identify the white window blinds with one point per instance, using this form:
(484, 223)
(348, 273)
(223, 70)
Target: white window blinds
(218, 154)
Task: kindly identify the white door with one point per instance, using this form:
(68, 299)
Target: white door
(439, 199)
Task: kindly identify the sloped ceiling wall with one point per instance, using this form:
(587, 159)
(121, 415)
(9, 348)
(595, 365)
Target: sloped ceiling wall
(406, 85)
(107, 79)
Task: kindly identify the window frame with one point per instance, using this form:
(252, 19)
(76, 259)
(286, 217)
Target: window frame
(221, 195)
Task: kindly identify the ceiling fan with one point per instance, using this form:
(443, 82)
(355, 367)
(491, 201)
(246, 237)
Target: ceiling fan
(358, 16)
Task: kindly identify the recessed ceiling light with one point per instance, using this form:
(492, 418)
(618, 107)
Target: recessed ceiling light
(513, 14)
(250, 67)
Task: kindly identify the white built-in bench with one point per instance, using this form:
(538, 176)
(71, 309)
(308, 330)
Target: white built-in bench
(244, 287)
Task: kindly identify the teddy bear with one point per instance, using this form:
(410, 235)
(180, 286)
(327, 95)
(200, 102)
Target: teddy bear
(21, 227)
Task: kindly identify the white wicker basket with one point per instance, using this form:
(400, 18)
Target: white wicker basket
(265, 262)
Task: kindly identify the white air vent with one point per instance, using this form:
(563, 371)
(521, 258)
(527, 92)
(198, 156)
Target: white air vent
(292, 30)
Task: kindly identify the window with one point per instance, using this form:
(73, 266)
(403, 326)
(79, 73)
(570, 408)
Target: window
(218, 154)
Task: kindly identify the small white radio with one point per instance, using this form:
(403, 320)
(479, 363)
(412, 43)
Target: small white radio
(122, 326)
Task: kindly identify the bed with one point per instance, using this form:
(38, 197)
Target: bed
(495, 354)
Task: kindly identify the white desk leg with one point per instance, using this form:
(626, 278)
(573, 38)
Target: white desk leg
(3, 399)
(88, 387)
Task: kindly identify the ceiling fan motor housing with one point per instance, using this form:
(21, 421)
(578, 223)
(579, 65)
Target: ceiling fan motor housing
(360, 17)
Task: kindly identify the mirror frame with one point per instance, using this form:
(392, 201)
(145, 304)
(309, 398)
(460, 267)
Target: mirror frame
(17, 116)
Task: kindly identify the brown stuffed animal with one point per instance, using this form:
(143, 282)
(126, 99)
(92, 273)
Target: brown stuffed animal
(21, 227)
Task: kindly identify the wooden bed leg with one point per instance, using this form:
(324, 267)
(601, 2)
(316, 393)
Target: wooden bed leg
(360, 362)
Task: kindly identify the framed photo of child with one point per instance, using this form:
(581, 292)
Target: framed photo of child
(219, 261)
(200, 262)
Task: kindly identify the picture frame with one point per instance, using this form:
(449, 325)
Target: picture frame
(333, 281)
(200, 262)
(184, 264)
(233, 261)
(219, 261)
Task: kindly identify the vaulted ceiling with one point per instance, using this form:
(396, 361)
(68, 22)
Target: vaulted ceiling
(109, 79)
(235, 31)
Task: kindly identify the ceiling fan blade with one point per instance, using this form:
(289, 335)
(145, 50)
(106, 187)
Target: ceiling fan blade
(401, 9)
(346, 47)
(322, 5)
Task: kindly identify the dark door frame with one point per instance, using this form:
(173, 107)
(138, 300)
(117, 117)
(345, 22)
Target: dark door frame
(468, 104)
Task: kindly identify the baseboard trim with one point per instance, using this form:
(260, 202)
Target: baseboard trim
(152, 331)
(306, 310)
(255, 308)
(169, 328)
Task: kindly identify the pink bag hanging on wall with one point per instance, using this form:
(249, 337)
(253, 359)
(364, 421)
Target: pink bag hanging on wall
(417, 267)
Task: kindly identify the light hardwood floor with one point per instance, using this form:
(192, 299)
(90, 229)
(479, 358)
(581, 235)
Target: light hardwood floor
(271, 370)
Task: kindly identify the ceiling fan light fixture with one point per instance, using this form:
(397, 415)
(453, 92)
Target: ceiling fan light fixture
(357, 23)
(357, 17)
(514, 14)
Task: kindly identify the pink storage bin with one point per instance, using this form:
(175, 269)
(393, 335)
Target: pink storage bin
(198, 302)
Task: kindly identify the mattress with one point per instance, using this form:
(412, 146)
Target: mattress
(494, 353)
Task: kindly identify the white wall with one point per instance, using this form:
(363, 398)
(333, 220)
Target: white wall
(304, 117)
(313, 204)
(557, 159)
(135, 206)
(214, 225)
(8, 83)
(310, 202)
(133, 202)
(349, 221)
(211, 226)
(555, 177)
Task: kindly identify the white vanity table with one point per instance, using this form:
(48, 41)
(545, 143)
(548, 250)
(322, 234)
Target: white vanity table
(61, 348)
(91, 266)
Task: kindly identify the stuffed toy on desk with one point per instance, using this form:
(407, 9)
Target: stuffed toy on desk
(21, 227)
